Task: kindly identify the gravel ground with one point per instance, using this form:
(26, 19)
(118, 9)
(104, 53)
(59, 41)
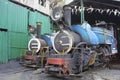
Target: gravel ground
(14, 71)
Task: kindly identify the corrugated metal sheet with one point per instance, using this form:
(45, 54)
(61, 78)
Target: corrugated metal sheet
(15, 18)
(3, 14)
(45, 23)
(4, 53)
(38, 17)
(18, 41)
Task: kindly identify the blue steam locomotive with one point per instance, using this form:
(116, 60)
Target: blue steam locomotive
(78, 46)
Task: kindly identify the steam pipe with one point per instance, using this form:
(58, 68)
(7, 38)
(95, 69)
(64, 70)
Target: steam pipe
(67, 15)
(38, 29)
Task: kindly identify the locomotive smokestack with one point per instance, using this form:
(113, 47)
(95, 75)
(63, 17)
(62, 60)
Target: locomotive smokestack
(67, 15)
(38, 29)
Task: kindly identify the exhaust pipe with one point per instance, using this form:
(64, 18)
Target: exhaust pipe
(38, 29)
(67, 15)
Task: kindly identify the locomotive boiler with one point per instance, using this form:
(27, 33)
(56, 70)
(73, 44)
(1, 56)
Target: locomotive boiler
(38, 47)
(78, 46)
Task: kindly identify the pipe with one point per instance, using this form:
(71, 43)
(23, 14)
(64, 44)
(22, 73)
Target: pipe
(67, 15)
(38, 29)
(82, 12)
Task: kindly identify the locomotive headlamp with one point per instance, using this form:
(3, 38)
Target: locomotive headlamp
(56, 14)
(31, 29)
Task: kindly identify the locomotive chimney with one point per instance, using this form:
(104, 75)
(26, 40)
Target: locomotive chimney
(67, 15)
(38, 29)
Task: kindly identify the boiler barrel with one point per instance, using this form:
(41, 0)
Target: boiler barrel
(64, 40)
(35, 44)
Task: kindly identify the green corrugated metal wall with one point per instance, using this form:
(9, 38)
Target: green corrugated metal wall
(18, 41)
(14, 18)
(3, 13)
(36, 17)
(4, 47)
(17, 18)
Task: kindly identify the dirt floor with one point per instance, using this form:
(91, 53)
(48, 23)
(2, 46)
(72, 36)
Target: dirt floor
(14, 71)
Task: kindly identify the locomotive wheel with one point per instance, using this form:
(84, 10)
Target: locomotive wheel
(77, 58)
(106, 58)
